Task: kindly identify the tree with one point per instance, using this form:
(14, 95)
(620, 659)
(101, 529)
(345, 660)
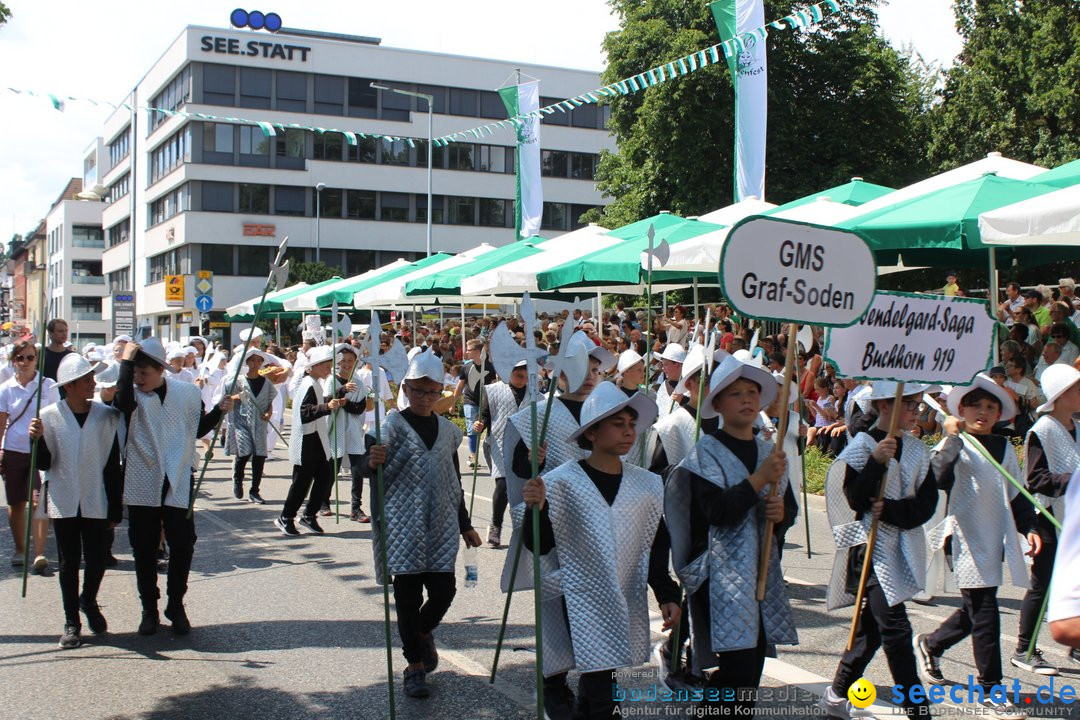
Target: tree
(1014, 86)
(842, 103)
(309, 272)
(5, 13)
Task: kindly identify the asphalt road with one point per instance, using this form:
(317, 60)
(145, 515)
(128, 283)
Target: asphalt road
(291, 627)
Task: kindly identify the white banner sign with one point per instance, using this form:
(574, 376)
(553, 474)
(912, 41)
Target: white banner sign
(915, 338)
(775, 269)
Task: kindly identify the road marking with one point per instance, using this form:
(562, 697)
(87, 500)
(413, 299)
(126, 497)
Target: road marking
(474, 669)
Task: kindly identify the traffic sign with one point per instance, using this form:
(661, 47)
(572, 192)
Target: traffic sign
(204, 282)
(203, 303)
(123, 313)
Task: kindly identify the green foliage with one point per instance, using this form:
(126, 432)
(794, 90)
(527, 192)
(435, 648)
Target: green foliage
(1014, 87)
(816, 464)
(5, 13)
(309, 272)
(842, 102)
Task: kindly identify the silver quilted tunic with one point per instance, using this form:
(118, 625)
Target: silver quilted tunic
(247, 429)
(74, 483)
(319, 426)
(675, 432)
(728, 567)
(559, 452)
(161, 444)
(980, 522)
(899, 555)
(501, 404)
(1062, 450)
(664, 404)
(423, 494)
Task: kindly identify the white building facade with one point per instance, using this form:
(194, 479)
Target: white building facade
(186, 195)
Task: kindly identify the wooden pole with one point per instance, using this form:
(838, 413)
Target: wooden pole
(781, 433)
(894, 423)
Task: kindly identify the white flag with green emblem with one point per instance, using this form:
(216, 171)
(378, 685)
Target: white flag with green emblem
(521, 100)
(749, 74)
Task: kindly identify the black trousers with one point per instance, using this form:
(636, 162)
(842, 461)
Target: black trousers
(415, 616)
(257, 464)
(979, 618)
(738, 673)
(1042, 568)
(311, 479)
(78, 538)
(881, 626)
(595, 695)
(499, 502)
(358, 466)
(145, 525)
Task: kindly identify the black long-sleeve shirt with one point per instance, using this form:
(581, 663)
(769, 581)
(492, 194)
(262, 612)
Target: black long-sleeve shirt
(112, 474)
(943, 463)
(427, 427)
(521, 464)
(125, 402)
(664, 588)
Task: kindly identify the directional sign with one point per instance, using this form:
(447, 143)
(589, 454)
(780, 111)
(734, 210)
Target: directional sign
(123, 313)
(204, 283)
(793, 272)
(915, 338)
(174, 290)
(203, 303)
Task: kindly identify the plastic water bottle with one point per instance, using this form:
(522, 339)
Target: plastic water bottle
(469, 556)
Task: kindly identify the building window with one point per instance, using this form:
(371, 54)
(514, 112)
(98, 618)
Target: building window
(363, 151)
(86, 272)
(87, 236)
(493, 212)
(168, 205)
(219, 85)
(555, 216)
(173, 262)
(255, 199)
(291, 91)
(330, 201)
(492, 158)
(119, 280)
(119, 232)
(360, 261)
(120, 188)
(555, 118)
(491, 105)
(217, 196)
(576, 211)
(85, 308)
(461, 210)
(395, 152)
(252, 260)
(172, 97)
(329, 94)
(218, 259)
(553, 163)
(254, 147)
(437, 93)
(438, 205)
(363, 98)
(461, 156)
(328, 146)
(582, 166)
(360, 204)
(255, 87)
(291, 147)
(170, 154)
(218, 143)
(463, 102)
(289, 200)
(586, 116)
(120, 147)
(394, 206)
(396, 106)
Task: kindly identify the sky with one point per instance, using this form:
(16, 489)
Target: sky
(99, 50)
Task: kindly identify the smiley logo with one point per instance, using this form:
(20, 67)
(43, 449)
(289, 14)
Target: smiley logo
(862, 693)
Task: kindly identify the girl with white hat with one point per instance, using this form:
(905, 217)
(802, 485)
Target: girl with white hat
(898, 566)
(502, 399)
(984, 515)
(716, 506)
(245, 438)
(602, 516)
(1051, 457)
(79, 453)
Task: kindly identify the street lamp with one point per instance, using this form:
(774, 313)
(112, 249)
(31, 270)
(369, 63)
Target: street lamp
(430, 109)
(318, 217)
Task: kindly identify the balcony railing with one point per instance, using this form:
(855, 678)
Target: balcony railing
(85, 315)
(88, 279)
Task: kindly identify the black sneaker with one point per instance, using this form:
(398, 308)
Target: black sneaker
(326, 511)
(1037, 664)
(558, 701)
(1003, 710)
(237, 489)
(94, 619)
(415, 684)
(111, 561)
(149, 624)
(929, 662)
(71, 638)
(179, 619)
(431, 654)
(286, 525)
(312, 525)
(255, 497)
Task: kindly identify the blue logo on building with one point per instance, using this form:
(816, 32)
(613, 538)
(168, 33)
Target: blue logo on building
(255, 20)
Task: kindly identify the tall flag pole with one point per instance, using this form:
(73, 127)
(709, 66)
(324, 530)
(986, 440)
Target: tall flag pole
(749, 75)
(522, 99)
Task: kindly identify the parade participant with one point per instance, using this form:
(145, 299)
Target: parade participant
(501, 400)
(177, 356)
(768, 424)
(984, 514)
(211, 375)
(601, 502)
(79, 453)
(309, 444)
(245, 438)
(470, 378)
(118, 349)
(424, 514)
(163, 418)
(1051, 457)
(630, 372)
(671, 360)
(898, 568)
(347, 440)
(279, 376)
(716, 504)
(17, 400)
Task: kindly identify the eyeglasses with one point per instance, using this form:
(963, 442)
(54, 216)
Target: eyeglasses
(910, 404)
(423, 393)
(24, 358)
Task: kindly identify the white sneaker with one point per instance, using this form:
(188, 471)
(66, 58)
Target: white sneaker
(835, 706)
(662, 659)
(1037, 664)
(1004, 710)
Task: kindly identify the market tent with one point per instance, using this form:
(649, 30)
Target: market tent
(447, 283)
(306, 300)
(701, 254)
(854, 193)
(621, 264)
(823, 211)
(391, 290)
(245, 311)
(519, 276)
(1061, 176)
(1050, 219)
(731, 214)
